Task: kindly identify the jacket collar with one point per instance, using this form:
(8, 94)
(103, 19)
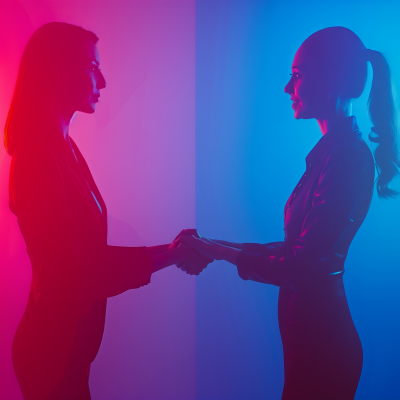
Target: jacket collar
(343, 130)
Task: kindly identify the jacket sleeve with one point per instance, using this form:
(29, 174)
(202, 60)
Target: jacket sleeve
(128, 268)
(340, 202)
(262, 263)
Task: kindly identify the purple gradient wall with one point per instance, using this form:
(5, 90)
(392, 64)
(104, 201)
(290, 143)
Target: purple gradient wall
(140, 145)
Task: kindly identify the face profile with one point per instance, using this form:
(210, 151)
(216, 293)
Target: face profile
(80, 90)
(91, 79)
(329, 70)
(308, 90)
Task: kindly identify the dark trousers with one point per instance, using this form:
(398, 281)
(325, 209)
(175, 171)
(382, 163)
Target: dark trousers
(322, 350)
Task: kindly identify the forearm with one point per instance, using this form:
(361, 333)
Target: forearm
(165, 259)
(234, 245)
(156, 250)
(227, 253)
(266, 264)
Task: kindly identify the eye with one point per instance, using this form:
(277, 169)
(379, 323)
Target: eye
(295, 74)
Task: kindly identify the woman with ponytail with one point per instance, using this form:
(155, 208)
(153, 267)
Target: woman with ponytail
(322, 351)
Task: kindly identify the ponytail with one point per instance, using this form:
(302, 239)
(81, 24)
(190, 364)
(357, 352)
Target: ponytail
(383, 115)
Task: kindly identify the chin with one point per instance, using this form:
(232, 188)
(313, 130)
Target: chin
(88, 109)
(302, 114)
(297, 115)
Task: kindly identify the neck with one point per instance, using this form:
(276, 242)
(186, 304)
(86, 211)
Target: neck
(341, 111)
(62, 119)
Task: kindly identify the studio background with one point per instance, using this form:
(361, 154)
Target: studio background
(194, 129)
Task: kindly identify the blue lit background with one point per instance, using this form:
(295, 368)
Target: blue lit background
(249, 155)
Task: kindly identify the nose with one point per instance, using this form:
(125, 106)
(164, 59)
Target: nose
(289, 89)
(101, 83)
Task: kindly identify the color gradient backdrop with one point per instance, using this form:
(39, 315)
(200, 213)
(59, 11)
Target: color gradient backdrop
(194, 129)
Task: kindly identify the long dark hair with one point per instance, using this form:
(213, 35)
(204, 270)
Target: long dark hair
(339, 54)
(47, 59)
(383, 115)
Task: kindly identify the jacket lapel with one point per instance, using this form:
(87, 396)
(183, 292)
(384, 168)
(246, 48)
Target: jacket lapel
(67, 157)
(87, 176)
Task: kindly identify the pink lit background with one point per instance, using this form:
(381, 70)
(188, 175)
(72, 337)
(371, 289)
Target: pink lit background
(140, 146)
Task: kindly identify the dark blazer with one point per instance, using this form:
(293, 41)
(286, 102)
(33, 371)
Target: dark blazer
(63, 220)
(321, 217)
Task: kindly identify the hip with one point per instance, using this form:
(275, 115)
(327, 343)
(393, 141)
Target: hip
(322, 351)
(317, 314)
(43, 347)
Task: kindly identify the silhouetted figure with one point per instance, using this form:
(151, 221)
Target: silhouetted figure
(63, 219)
(322, 350)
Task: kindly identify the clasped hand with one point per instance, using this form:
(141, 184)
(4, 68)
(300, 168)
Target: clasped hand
(198, 252)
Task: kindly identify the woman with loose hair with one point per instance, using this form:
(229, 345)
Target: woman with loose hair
(63, 219)
(322, 351)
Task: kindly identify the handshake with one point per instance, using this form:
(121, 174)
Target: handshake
(195, 251)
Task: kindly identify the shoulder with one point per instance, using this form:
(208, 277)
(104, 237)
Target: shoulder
(352, 154)
(33, 162)
(349, 168)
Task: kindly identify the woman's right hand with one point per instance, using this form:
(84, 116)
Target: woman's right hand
(183, 264)
(192, 262)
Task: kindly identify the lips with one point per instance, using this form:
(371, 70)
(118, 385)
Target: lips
(95, 98)
(295, 103)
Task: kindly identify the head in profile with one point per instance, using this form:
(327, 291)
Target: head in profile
(59, 74)
(329, 70)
